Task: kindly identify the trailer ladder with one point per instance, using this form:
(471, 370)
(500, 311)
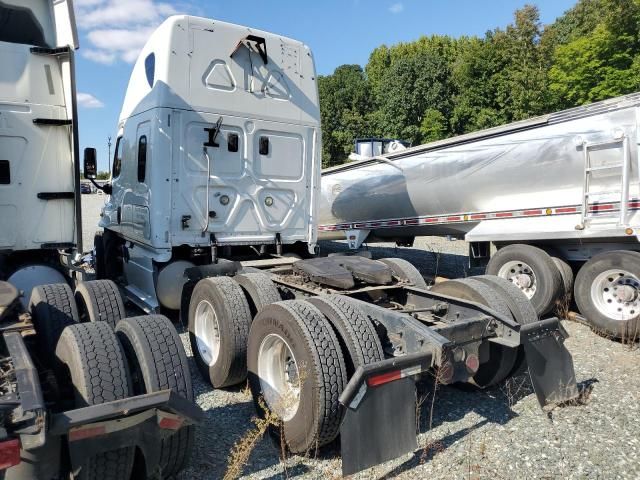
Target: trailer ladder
(589, 210)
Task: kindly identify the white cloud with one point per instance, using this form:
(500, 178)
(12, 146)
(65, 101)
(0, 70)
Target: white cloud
(396, 8)
(86, 100)
(118, 29)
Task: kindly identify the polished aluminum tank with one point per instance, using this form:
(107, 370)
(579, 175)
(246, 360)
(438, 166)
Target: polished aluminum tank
(516, 182)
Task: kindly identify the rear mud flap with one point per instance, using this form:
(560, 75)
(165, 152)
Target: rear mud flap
(380, 418)
(550, 363)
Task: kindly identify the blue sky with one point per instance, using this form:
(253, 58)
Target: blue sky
(339, 32)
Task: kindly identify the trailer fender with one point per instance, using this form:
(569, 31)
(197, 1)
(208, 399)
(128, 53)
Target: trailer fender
(550, 363)
(380, 412)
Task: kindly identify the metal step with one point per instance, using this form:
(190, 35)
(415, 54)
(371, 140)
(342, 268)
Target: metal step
(606, 167)
(53, 122)
(56, 52)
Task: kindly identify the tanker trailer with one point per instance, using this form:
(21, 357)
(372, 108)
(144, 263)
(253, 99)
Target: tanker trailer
(556, 195)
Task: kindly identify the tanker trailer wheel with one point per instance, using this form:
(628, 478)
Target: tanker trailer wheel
(405, 271)
(91, 361)
(566, 273)
(500, 360)
(531, 270)
(52, 308)
(607, 292)
(521, 309)
(259, 290)
(157, 361)
(100, 301)
(219, 321)
(357, 335)
(297, 371)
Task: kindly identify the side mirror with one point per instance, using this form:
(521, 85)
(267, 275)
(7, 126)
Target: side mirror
(90, 163)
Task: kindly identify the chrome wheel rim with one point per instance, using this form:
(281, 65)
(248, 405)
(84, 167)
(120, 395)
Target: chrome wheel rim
(521, 275)
(279, 376)
(616, 294)
(207, 332)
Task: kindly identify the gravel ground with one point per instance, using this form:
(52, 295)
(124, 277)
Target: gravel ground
(500, 433)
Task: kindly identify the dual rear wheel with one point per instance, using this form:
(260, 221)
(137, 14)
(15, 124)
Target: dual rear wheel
(606, 289)
(109, 357)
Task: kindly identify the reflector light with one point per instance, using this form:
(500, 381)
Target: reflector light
(383, 378)
(170, 423)
(86, 432)
(9, 453)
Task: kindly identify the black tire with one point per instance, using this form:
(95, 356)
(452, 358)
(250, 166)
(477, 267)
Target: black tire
(100, 301)
(233, 316)
(622, 260)
(548, 281)
(157, 361)
(405, 271)
(315, 347)
(500, 359)
(98, 372)
(100, 257)
(52, 308)
(566, 274)
(357, 335)
(521, 309)
(259, 290)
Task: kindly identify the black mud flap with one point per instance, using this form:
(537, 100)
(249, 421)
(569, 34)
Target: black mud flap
(380, 418)
(550, 363)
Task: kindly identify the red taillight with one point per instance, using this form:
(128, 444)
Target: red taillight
(9, 453)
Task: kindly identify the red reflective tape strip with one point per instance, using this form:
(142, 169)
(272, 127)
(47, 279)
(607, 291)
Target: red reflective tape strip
(453, 219)
(428, 220)
(504, 214)
(479, 216)
(169, 423)
(599, 208)
(566, 210)
(86, 432)
(383, 378)
(533, 212)
(9, 453)
(411, 221)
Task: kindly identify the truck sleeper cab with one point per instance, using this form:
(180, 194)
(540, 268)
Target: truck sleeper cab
(217, 151)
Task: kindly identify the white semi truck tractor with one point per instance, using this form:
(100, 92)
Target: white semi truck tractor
(84, 392)
(215, 185)
(556, 195)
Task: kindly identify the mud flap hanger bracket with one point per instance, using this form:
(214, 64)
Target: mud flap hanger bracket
(380, 412)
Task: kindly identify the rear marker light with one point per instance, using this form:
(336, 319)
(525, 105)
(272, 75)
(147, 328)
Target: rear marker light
(9, 454)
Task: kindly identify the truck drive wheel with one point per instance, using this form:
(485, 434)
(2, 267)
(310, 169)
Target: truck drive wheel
(259, 290)
(566, 273)
(405, 271)
(219, 321)
(607, 292)
(499, 360)
(357, 335)
(297, 370)
(157, 361)
(531, 270)
(521, 309)
(91, 357)
(100, 301)
(52, 308)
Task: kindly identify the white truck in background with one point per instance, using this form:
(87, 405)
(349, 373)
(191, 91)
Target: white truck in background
(93, 399)
(556, 195)
(213, 201)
